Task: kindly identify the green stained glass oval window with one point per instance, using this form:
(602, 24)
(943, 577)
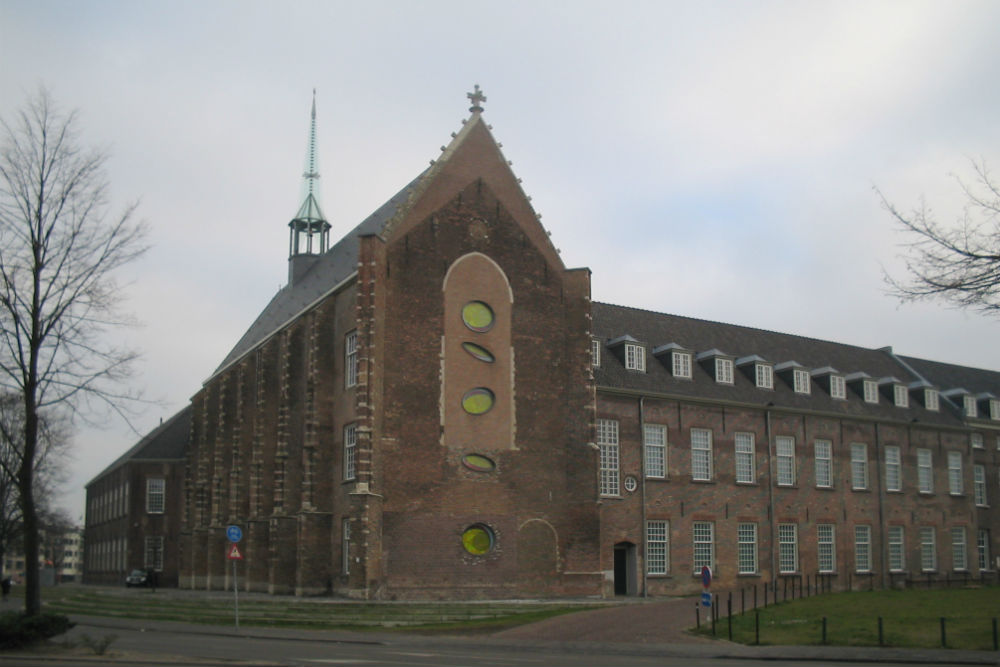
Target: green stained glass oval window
(479, 352)
(478, 463)
(477, 316)
(478, 401)
(478, 539)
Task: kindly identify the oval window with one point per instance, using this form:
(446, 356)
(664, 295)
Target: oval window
(478, 539)
(477, 316)
(478, 463)
(477, 401)
(479, 352)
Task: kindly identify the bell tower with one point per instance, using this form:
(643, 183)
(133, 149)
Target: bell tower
(308, 232)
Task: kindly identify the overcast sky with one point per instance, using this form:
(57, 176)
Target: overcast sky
(707, 159)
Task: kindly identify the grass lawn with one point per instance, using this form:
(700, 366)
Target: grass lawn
(910, 618)
(308, 613)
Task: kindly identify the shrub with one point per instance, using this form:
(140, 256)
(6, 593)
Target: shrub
(18, 630)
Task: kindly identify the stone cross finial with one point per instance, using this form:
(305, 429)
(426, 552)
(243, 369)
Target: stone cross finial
(477, 99)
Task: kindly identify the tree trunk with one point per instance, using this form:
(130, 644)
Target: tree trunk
(32, 583)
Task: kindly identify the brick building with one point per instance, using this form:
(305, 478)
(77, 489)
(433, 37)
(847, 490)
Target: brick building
(134, 508)
(433, 408)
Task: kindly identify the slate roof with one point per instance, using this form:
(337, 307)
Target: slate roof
(330, 269)
(167, 442)
(656, 330)
(948, 376)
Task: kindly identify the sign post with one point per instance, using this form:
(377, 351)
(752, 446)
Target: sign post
(706, 581)
(235, 534)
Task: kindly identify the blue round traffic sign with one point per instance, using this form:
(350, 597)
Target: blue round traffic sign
(234, 533)
(706, 576)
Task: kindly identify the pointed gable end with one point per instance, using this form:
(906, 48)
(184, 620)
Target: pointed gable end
(473, 156)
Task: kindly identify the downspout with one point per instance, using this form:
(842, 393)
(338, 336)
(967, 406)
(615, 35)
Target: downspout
(770, 491)
(881, 506)
(642, 492)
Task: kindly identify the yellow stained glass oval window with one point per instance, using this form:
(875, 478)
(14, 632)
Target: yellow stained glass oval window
(478, 401)
(477, 316)
(478, 540)
(478, 463)
(479, 352)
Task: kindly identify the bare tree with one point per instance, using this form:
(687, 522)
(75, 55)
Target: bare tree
(958, 263)
(50, 467)
(58, 294)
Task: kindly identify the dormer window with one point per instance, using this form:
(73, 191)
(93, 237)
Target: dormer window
(595, 352)
(635, 357)
(901, 396)
(969, 406)
(800, 381)
(838, 389)
(724, 371)
(995, 408)
(632, 353)
(681, 364)
(717, 363)
(676, 358)
(932, 400)
(765, 376)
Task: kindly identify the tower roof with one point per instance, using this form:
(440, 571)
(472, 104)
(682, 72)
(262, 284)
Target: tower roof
(310, 209)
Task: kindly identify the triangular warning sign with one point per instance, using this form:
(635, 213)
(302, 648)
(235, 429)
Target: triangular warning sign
(234, 553)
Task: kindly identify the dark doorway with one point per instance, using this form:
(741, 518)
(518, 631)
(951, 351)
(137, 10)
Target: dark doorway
(625, 568)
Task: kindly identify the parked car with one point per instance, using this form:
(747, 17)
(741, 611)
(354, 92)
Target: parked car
(137, 578)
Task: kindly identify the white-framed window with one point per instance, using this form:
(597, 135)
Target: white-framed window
(153, 558)
(654, 442)
(979, 484)
(826, 550)
(765, 376)
(800, 381)
(788, 548)
(607, 441)
(976, 440)
(724, 371)
(345, 546)
(635, 357)
(350, 451)
(703, 539)
(995, 408)
(925, 471)
(838, 387)
(823, 450)
(351, 359)
(893, 469)
(901, 396)
(932, 400)
(897, 549)
(983, 549)
(746, 547)
(595, 352)
(955, 473)
(959, 549)
(657, 547)
(156, 492)
(969, 405)
(870, 390)
(701, 454)
(928, 549)
(785, 447)
(863, 548)
(681, 362)
(859, 466)
(744, 445)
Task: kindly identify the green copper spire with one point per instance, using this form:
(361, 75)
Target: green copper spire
(309, 232)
